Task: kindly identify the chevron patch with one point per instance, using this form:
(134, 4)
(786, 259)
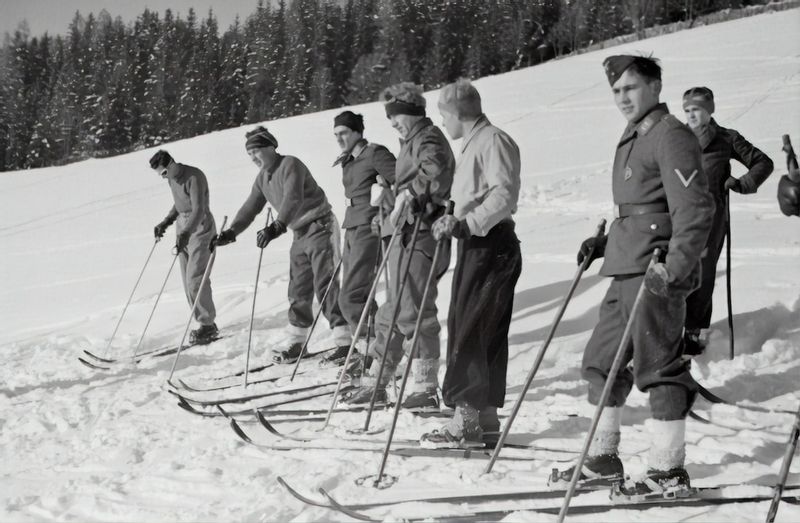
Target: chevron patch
(686, 181)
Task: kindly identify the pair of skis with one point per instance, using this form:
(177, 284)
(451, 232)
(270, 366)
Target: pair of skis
(696, 497)
(93, 361)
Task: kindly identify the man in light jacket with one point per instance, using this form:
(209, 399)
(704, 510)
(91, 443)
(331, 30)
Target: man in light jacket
(485, 191)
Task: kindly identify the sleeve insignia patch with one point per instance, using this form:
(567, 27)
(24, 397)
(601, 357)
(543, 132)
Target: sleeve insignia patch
(686, 181)
(628, 173)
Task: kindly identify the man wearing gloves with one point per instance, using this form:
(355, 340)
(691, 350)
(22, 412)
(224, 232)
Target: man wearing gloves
(423, 176)
(195, 229)
(485, 192)
(719, 146)
(662, 201)
(286, 183)
(362, 162)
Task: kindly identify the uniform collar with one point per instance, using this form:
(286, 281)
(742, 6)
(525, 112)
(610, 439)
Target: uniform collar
(645, 123)
(352, 154)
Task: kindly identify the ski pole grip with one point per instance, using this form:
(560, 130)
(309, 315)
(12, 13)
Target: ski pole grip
(654, 258)
(601, 228)
(450, 206)
(791, 160)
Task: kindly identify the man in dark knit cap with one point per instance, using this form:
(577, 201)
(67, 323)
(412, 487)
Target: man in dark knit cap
(719, 146)
(661, 201)
(423, 176)
(195, 229)
(286, 184)
(362, 162)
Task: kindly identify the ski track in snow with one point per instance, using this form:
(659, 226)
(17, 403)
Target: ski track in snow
(82, 445)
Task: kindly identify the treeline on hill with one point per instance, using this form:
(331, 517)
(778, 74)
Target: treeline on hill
(109, 87)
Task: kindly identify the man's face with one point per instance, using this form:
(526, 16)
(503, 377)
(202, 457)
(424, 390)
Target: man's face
(260, 156)
(403, 123)
(452, 124)
(346, 138)
(634, 95)
(696, 116)
(163, 171)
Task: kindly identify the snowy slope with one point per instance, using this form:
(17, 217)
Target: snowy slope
(79, 445)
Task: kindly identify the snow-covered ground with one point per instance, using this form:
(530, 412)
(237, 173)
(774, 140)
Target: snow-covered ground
(82, 445)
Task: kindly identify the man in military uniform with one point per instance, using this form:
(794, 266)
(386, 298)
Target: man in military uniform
(286, 183)
(662, 201)
(362, 162)
(423, 176)
(195, 229)
(719, 146)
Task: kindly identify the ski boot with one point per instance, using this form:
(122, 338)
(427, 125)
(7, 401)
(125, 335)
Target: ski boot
(363, 395)
(204, 335)
(656, 484)
(336, 357)
(422, 401)
(490, 425)
(356, 368)
(289, 355)
(462, 431)
(597, 472)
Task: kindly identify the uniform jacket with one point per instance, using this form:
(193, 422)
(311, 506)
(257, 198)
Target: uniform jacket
(425, 157)
(720, 146)
(658, 161)
(289, 187)
(190, 193)
(486, 182)
(359, 170)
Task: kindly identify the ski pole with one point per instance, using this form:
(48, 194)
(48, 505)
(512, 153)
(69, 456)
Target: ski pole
(791, 160)
(412, 351)
(371, 318)
(194, 305)
(135, 285)
(364, 313)
(253, 308)
(316, 317)
(395, 313)
(153, 310)
(540, 356)
(728, 269)
(791, 447)
(601, 403)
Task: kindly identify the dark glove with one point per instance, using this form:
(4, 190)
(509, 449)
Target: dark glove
(182, 241)
(269, 233)
(733, 184)
(789, 196)
(596, 243)
(160, 229)
(224, 238)
(448, 226)
(656, 280)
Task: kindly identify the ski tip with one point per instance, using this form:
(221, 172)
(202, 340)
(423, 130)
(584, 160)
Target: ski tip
(239, 432)
(92, 365)
(344, 510)
(294, 493)
(223, 412)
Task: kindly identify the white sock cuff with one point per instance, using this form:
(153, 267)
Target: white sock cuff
(668, 444)
(610, 420)
(296, 334)
(341, 335)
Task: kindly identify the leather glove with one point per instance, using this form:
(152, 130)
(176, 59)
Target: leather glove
(733, 184)
(448, 226)
(269, 233)
(224, 238)
(599, 245)
(375, 225)
(789, 196)
(656, 280)
(401, 207)
(160, 229)
(182, 241)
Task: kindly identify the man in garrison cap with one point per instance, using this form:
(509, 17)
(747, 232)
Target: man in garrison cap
(661, 200)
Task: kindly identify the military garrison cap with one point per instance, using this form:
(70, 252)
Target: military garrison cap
(618, 64)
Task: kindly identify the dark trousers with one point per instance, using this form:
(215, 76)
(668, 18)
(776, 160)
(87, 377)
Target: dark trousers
(655, 347)
(360, 255)
(699, 303)
(482, 300)
(313, 257)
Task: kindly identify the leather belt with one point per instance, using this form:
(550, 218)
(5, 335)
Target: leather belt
(352, 202)
(632, 209)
